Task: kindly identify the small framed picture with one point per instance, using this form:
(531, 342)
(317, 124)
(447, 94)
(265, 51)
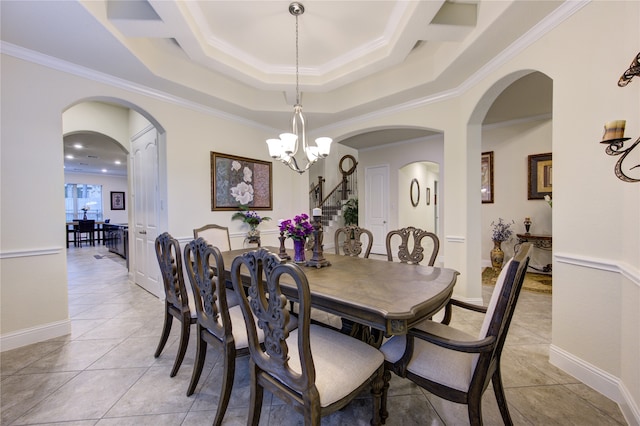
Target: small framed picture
(117, 200)
(540, 176)
(486, 179)
(428, 196)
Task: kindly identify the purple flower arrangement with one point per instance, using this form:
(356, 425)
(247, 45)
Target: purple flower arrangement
(298, 229)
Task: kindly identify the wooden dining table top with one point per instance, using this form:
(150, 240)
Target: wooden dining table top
(388, 296)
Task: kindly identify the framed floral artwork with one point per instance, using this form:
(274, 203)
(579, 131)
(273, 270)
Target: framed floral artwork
(239, 181)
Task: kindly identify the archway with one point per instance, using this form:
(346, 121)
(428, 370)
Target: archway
(124, 122)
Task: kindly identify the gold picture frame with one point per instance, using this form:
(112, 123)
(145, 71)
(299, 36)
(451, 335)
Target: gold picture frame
(540, 176)
(486, 177)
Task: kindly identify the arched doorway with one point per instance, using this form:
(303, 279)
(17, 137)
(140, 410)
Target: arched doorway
(132, 127)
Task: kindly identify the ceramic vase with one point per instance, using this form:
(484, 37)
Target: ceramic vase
(298, 251)
(497, 255)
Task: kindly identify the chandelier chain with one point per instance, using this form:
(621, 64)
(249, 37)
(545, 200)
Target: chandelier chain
(297, 70)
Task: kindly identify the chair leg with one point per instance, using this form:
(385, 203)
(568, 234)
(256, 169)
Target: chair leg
(184, 341)
(255, 401)
(384, 414)
(166, 329)
(475, 411)
(201, 355)
(498, 389)
(377, 387)
(227, 381)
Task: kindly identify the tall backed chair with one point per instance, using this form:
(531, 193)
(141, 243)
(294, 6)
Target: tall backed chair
(217, 323)
(86, 232)
(216, 235)
(350, 237)
(410, 249)
(314, 369)
(177, 302)
(457, 366)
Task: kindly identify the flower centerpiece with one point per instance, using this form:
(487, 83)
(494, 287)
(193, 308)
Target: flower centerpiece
(501, 232)
(251, 218)
(85, 209)
(298, 229)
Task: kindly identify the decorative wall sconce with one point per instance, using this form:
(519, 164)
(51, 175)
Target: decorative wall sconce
(614, 130)
(614, 137)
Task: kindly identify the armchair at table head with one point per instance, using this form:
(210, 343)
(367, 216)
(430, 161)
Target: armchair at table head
(455, 365)
(415, 254)
(314, 369)
(218, 323)
(177, 302)
(216, 235)
(350, 239)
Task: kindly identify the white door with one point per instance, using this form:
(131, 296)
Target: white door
(377, 205)
(145, 213)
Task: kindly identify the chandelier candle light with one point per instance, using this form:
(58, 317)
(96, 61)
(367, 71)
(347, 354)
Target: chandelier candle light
(285, 148)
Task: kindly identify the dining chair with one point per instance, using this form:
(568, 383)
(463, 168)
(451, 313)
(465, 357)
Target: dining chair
(453, 364)
(217, 323)
(177, 302)
(349, 238)
(88, 229)
(216, 235)
(314, 369)
(410, 249)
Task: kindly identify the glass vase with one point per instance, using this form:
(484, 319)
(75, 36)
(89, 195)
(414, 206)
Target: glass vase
(298, 251)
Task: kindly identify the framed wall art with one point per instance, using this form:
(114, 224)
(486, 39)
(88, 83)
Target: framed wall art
(117, 200)
(486, 179)
(428, 196)
(540, 176)
(239, 181)
(414, 192)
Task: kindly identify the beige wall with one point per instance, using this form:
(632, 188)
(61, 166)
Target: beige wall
(596, 230)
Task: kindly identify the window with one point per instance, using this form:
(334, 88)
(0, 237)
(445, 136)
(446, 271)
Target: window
(81, 198)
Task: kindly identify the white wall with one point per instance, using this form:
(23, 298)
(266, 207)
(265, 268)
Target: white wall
(596, 299)
(511, 146)
(109, 184)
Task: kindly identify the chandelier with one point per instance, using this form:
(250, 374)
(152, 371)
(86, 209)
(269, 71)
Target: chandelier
(286, 147)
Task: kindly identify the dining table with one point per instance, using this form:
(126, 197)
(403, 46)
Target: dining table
(387, 296)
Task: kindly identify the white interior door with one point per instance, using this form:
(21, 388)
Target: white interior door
(377, 205)
(145, 202)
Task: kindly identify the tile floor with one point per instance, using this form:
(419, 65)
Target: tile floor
(104, 372)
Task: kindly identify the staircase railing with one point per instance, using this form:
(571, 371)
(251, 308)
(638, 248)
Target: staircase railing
(331, 204)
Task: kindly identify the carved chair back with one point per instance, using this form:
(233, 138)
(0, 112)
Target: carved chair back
(204, 265)
(170, 262)
(410, 249)
(177, 298)
(350, 239)
(216, 235)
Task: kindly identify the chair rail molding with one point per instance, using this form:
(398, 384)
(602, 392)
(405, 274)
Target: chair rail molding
(623, 268)
(9, 254)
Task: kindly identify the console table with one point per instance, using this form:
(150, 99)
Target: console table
(543, 242)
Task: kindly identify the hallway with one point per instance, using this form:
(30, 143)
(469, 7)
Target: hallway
(104, 372)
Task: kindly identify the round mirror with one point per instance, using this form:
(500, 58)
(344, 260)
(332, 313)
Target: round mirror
(414, 192)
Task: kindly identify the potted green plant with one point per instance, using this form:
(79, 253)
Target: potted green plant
(350, 211)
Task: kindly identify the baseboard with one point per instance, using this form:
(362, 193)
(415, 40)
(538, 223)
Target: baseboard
(610, 386)
(28, 336)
